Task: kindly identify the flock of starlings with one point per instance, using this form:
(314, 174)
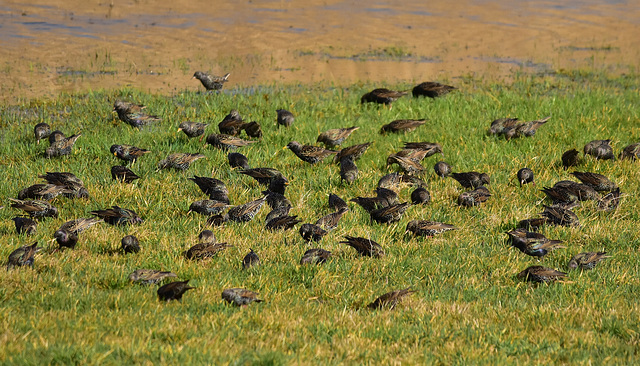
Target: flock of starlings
(383, 208)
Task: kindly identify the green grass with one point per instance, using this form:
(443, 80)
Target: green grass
(77, 307)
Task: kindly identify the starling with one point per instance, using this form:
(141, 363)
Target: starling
(471, 179)
(315, 256)
(369, 204)
(278, 185)
(150, 276)
(336, 136)
(284, 118)
(55, 136)
(596, 181)
(532, 243)
(179, 161)
(414, 155)
(250, 260)
(227, 142)
(354, 151)
(599, 149)
(253, 129)
(610, 201)
(239, 296)
(532, 224)
(192, 129)
(128, 152)
(308, 153)
(631, 152)
(246, 212)
(348, 170)
(541, 274)
(420, 196)
(389, 214)
(45, 192)
(587, 260)
(208, 207)
(366, 247)
(382, 96)
(282, 222)
(67, 234)
(74, 187)
(570, 158)
(211, 82)
(23, 256)
(264, 176)
(124, 174)
(526, 129)
(118, 216)
(474, 197)
(336, 203)
(442, 169)
(567, 191)
(394, 180)
(387, 197)
(277, 200)
(232, 124)
(132, 114)
(217, 220)
(330, 221)
(525, 175)
(207, 237)
(428, 228)
(560, 216)
(282, 213)
(130, 244)
(237, 160)
(173, 290)
(311, 232)
(501, 125)
(62, 147)
(205, 249)
(390, 299)
(36, 209)
(214, 188)
(409, 166)
(41, 131)
(431, 89)
(402, 125)
(25, 225)
(430, 148)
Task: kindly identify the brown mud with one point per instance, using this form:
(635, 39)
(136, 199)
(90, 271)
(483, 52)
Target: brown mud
(53, 46)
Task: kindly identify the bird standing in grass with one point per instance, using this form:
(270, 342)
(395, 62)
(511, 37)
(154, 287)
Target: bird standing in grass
(23, 256)
(173, 290)
(211, 82)
(124, 174)
(390, 299)
(428, 228)
(599, 149)
(118, 216)
(240, 296)
(61, 147)
(150, 276)
(442, 169)
(336, 136)
(128, 153)
(432, 89)
(402, 125)
(41, 131)
(179, 161)
(36, 209)
(312, 232)
(284, 118)
(68, 233)
(541, 274)
(570, 158)
(471, 179)
(308, 153)
(247, 211)
(132, 114)
(587, 260)
(250, 260)
(130, 244)
(525, 176)
(192, 129)
(382, 96)
(366, 247)
(25, 225)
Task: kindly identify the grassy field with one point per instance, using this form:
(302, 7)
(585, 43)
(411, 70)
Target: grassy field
(77, 306)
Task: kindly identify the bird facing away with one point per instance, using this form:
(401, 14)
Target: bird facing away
(631, 152)
(240, 296)
(237, 160)
(471, 179)
(560, 216)
(431, 89)
(596, 181)
(128, 153)
(25, 225)
(315, 256)
(402, 125)
(348, 170)
(150, 276)
(123, 174)
(74, 187)
(599, 149)
(541, 274)
(474, 197)
(396, 180)
(336, 203)
(192, 129)
(23, 256)
(253, 129)
(408, 166)
(232, 124)
(365, 247)
(132, 114)
(308, 153)
(246, 212)
(214, 188)
(61, 147)
(263, 176)
(36, 209)
(390, 299)
(208, 207)
(610, 201)
(284, 118)
(428, 228)
(330, 221)
(130, 244)
(336, 136)
(382, 96)
(389, 214)
(173, 290)
(420, 196)
(312, 232)
(211, 82)
(281, 221)
(250, 260)
(587, 260)
(56, 135)
(570, 158)
(227, 142)
(179, 161)
(354, 151)
(205, 249)
(525, 176)
(41, 131)
(118, 216)
(442, 169)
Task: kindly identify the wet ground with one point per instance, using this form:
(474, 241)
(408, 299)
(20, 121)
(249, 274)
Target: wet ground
(52, 46)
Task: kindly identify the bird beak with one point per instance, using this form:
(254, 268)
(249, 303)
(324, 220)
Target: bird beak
(179, 129)
(115, 154)
(284, 148)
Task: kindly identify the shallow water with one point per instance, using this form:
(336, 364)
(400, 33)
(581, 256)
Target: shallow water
(53, 46)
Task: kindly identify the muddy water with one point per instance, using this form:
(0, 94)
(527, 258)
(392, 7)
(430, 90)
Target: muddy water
(71, 45)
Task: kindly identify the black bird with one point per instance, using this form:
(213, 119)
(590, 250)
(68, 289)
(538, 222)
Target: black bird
(631, 152)
(118, 216)
(389, 214)
(560, 216)
(354, 151)
(541, 274)
(336, 136)
(420, 196)
(348, 170)
(570, 158)
(41, 131)
(428, 228)
(366, 247)
(390, 299)
(25, 225)
(232, 124)
(23, 256)
(430, 148)
(525, 175)
(532, 243)
(415, 155)
(211, 82)
(599, 149)
(474, 197)
(526, 129)
(471, 179)
(387, 197)
(45, 192)
(282, 222)
(253, 129)
(124, 174)
(246, 212)
(217, 220)
(408, 166)
(276, 200)
(227, 142)
(130, 244)
(240, 296)
(610, 201)
(62, 147)
(67, 234)
(315, 256)
(36, 209)
(128, 153)
(278, 185)
(192, 129)
(179, 161)
(442, 169)
(402, 125)
(587, 260)
(237, 160)
(308, 153)
(214, 188)
(132, 114)
(55, 136)
(311, 232)
(382, 96)
(501, 125)
(596, 181)
(173, 290)
(208, 207)
(74, 187)
(205, 249)
(533, 224)
(394, 180)
(431, 89)
(150, 276)
(263, 176)
(330, 221)
(284, 118)
(250, 260)
(336, 203)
